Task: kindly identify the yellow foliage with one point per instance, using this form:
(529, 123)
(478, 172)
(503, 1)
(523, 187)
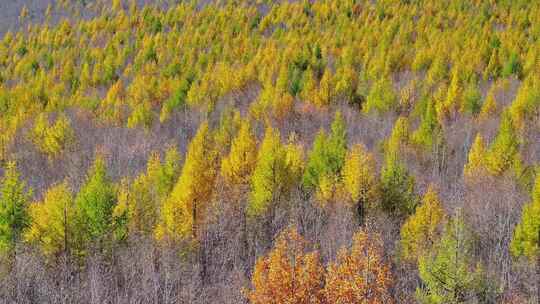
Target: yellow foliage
(423, 228)
(52, 221)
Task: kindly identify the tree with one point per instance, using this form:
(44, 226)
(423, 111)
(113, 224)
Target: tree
(503, 153)
(429, 130)
(287, 274)
(423, 229)
(489, 107)
(52, 221)
(94, 205)
(268, 181)
(381, 98)
(52, 139)
(138, 203)
(397, 185)
(447, 272)
(238, 166)
(360, 275)
(525, 240)
(359, 179)
(327, 156)
(476, 158)
(14, 199)
(183, 212)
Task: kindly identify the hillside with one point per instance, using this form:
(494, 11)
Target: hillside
(345, 151)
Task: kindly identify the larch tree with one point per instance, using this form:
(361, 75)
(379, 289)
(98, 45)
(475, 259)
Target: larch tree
(268, 182)
(14, 198)
(423, 229)
(360, 275)
(327, 156)
(525, 241)
(476, 158)
(447, 272)
(238, 166)
(359, 180)
(94, 205)
(397, 184)
(52, 221)
(381, 98)
(139, 201)
(182, 214)
(503, 152)
(288, 274)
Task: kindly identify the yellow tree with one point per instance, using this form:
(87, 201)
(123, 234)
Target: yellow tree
(287, 274)
(183, 212)
(237, 167)
(359, 179)
(476, 161)
(360, 275)
(52, 221)
(424, 227)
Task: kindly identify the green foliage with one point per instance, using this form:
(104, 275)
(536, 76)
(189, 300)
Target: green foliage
(397, 188)
(472, 99)
(429, 131)
(276, 173)
(14, 198)
(525, 240)
(447, 273)
(94, 205)
(381, 98)
(52, 139)
(327, 155)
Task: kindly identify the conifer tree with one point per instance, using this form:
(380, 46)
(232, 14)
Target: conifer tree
(94, 205)
(360, 275)
(448, 273)
(288, 274)
(52, 221)
(327, 155)
(397, 185)
(525, 240)
(503, 152)
(269, 178)
(359, 179)
(14, 198)
(423, 229)
(476, 159)
(429, 130)
(183, 212)
(237, 167)
(381, 98)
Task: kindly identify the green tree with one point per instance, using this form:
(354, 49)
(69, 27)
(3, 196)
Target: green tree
(327, 155)
(397, 185)
(381, 98)
(525, 240)
(14, 198)
(448, 274)
(94, 205)
(276, 173)
(429, 130)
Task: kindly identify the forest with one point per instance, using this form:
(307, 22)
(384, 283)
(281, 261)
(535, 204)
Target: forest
(270, 151)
